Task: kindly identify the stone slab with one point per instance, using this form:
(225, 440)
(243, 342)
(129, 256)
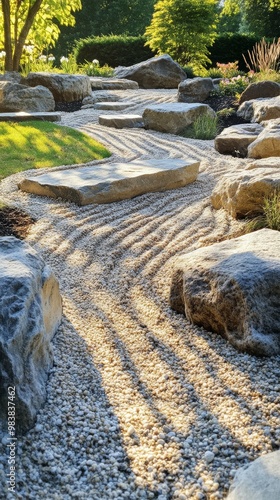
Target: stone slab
(113, 106)
(121, 121)
(111, 182)
(22, 116)
(235, 140)
(100, 83)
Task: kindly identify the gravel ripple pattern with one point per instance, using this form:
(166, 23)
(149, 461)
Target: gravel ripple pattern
(141, 404)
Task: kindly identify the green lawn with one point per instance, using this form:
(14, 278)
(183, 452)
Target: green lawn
(37, 144)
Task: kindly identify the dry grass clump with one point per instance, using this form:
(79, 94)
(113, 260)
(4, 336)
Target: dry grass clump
(264, 56)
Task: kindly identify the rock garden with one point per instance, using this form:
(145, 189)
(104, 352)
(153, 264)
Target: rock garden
(140, 290)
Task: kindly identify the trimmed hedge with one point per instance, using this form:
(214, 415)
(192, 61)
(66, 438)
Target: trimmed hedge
(114, 50)
(230, 47)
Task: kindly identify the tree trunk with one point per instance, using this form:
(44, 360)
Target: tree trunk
(5, 4)
(24, 33)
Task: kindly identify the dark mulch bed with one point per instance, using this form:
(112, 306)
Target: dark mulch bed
(14, 222)
(69, 107)
(225, 102)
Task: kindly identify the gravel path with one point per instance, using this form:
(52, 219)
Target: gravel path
(141, 404)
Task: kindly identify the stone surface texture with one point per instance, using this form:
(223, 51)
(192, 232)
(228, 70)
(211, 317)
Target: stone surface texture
(259, 480)
(11, 76)
(156, 73)
(99, 96)
(235, 140)
(121, 121)
(256, 90)
(16, 97)
(30, 313)
(195, 89)
(267, 143)
(113, 181)
(100, 83)
(233, 288)
(258, 110)
(23, 116)
(242, 193)
(175, 117)
(113, 106)
(64, 88)
(272, 162)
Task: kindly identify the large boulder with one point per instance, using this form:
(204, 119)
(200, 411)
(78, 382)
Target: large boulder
(258, 110)
(155, 73)
(267, 143)
(235, 140)
(30, 313)
(64, 88)
(195, 89)
(256, 90)
(233, 288)
(259, 480)
(17, 97)
(175, 117)
(11, 76)
(242, 193)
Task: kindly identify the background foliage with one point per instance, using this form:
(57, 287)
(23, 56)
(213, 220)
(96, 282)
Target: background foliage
(114, 50)
(184, 29)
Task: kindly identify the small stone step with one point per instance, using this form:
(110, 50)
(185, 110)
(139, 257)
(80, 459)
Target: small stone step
(121, 121)
(102, 83)
(111, 182)
(113, 106)
(23, 116)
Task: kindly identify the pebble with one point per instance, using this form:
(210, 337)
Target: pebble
(209, 457)
(141, 404)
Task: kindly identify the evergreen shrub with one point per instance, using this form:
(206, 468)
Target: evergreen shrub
(113, 50)
(229, 47)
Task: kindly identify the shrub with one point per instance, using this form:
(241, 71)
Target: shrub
(93, 69)
(232, 86)
(266, 75)
(228, 70)
(214, 73)
(230, 47)
(114, 50)
(189, 71)
(205, 127)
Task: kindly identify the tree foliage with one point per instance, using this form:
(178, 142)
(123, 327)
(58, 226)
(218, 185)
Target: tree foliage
(183, 29)
(33, 22)
(258, 17)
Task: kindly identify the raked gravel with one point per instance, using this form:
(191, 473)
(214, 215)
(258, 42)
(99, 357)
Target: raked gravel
(141, 404)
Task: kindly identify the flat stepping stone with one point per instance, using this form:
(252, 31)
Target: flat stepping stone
(23, 116)
(121, 121)
(100, 83)
(113, 106)
(111, 182)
